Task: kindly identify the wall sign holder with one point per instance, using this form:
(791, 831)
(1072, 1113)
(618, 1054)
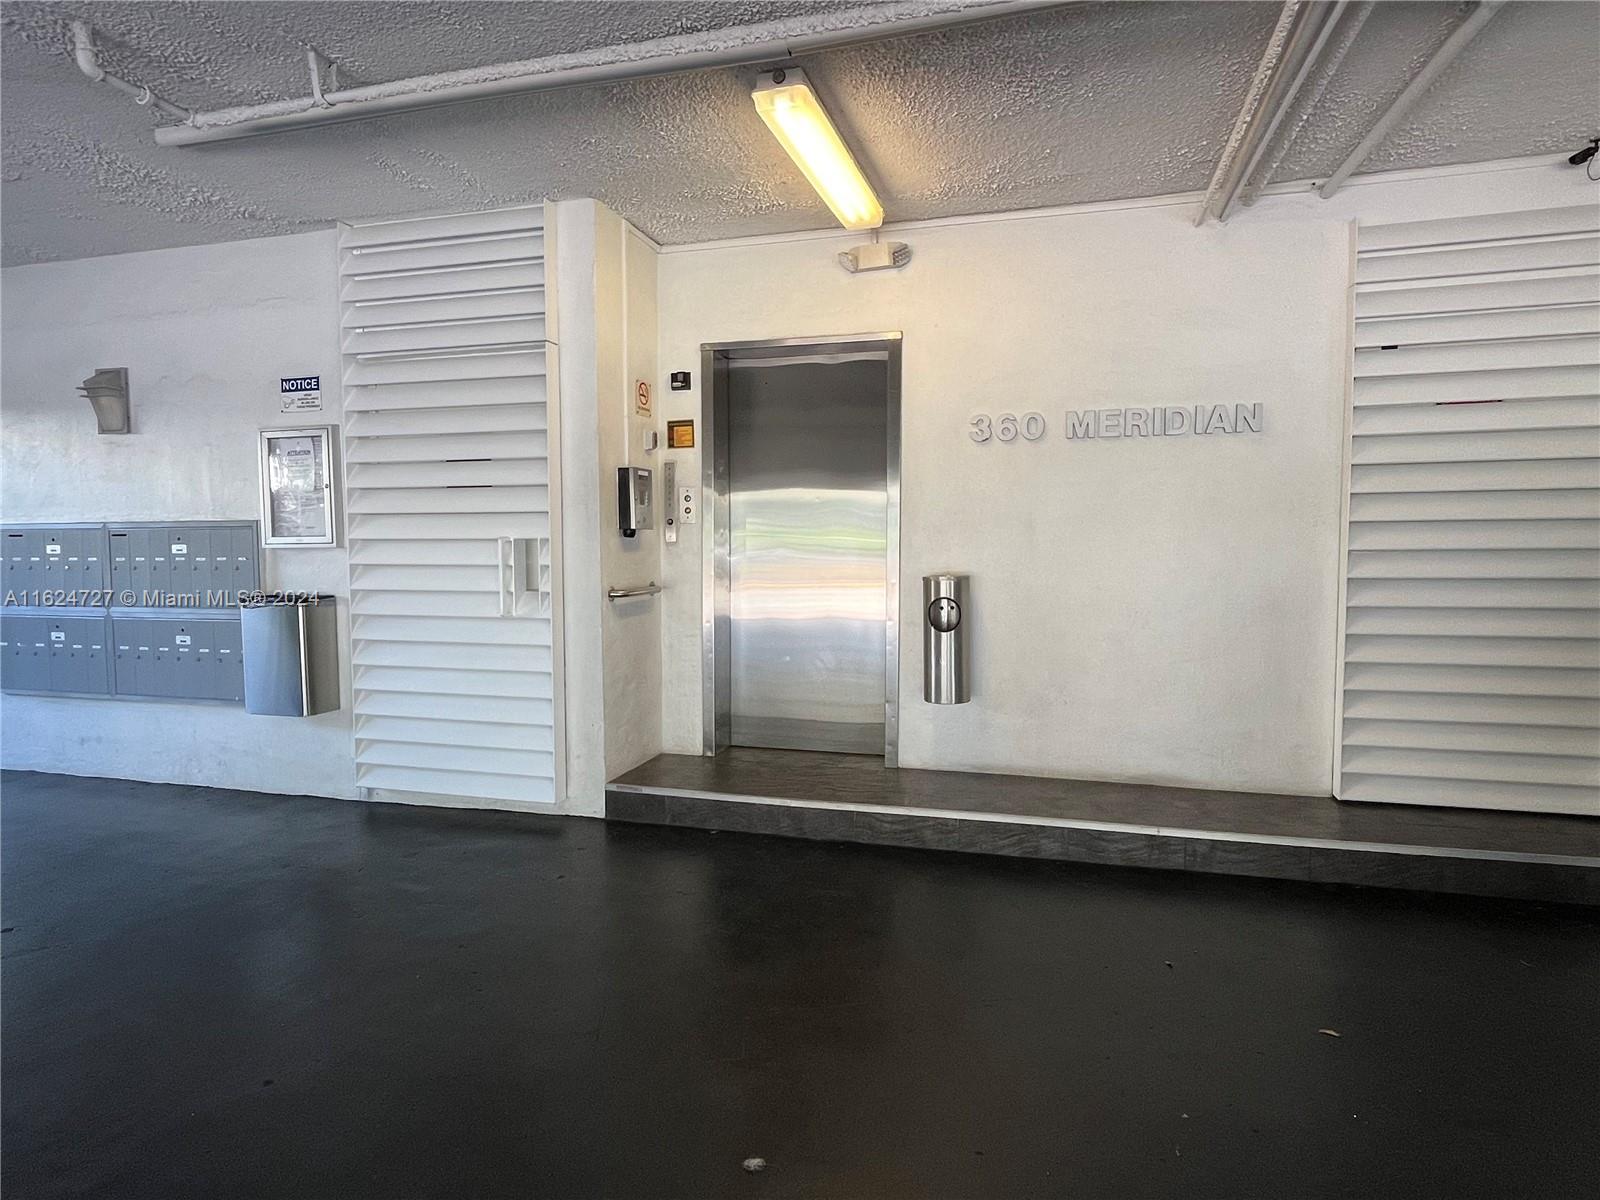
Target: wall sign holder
(299, 502)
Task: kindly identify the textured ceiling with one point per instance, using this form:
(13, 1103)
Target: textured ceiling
(1067, 104)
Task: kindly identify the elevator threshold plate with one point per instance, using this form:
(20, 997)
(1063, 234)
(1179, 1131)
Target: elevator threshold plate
(855, 798)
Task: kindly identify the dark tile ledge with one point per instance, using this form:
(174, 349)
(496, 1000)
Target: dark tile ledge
(856, 799)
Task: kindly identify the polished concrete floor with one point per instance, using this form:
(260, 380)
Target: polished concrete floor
(226, 994)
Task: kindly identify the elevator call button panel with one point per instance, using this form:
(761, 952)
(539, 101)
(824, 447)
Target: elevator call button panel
(669, 484)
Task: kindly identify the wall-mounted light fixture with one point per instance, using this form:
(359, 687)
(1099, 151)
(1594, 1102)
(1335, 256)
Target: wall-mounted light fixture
(797, 119)
(107, 390)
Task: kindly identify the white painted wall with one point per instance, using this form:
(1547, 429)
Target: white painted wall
(631, 629)
(1145, 610)
(582, 734)
(606, 291)
(205, 332)
(1158, 610)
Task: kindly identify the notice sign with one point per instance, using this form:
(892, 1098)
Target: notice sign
(297, 486)
(300, 393)
(641, 398)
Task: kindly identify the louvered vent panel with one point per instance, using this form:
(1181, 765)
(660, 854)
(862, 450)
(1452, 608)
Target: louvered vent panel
(1471, 630)
(448, 478)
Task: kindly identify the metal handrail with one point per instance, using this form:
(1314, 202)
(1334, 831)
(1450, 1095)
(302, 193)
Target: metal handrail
(650, 589)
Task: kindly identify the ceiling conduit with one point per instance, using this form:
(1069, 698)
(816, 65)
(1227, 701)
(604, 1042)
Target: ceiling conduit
(737, 46)
(1297, 42)
(1326, 67)
(89, 63)
(1420, 83)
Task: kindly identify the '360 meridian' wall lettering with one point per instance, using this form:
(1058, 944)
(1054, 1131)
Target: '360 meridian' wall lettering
(1160, 421)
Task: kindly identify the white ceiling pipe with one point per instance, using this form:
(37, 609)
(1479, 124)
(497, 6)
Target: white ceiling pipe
(1279, 104)
(661, 56)
(1420, 83)
(1327, 67)
(1301, 30)
(89, 63)
(314, 65)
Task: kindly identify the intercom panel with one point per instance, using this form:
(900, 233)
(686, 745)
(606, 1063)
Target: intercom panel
(633, 500)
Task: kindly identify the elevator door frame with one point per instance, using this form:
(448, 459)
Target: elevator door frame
(715, 631)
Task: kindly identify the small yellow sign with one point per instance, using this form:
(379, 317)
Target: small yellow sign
(680, 435)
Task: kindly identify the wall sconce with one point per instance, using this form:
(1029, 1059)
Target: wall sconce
(107, 390)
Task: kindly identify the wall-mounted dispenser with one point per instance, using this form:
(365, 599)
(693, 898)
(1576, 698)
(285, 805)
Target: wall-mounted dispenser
(633, 500)
(107, 390)
(946, 667)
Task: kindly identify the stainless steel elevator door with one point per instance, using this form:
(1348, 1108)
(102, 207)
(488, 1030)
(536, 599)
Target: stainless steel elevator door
(807, 439)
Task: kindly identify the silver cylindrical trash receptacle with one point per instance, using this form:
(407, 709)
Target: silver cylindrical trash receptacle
(946, 667)
(291, 654)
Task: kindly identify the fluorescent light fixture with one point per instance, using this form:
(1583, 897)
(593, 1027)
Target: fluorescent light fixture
(797, 119)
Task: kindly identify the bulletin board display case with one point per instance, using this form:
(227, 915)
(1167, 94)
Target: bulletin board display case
(299, 502)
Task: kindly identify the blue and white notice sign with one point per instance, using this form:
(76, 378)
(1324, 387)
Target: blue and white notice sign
(300, 393)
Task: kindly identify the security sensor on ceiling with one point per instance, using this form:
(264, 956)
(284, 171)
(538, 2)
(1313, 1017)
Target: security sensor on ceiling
(875, 256)
(107, 390)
